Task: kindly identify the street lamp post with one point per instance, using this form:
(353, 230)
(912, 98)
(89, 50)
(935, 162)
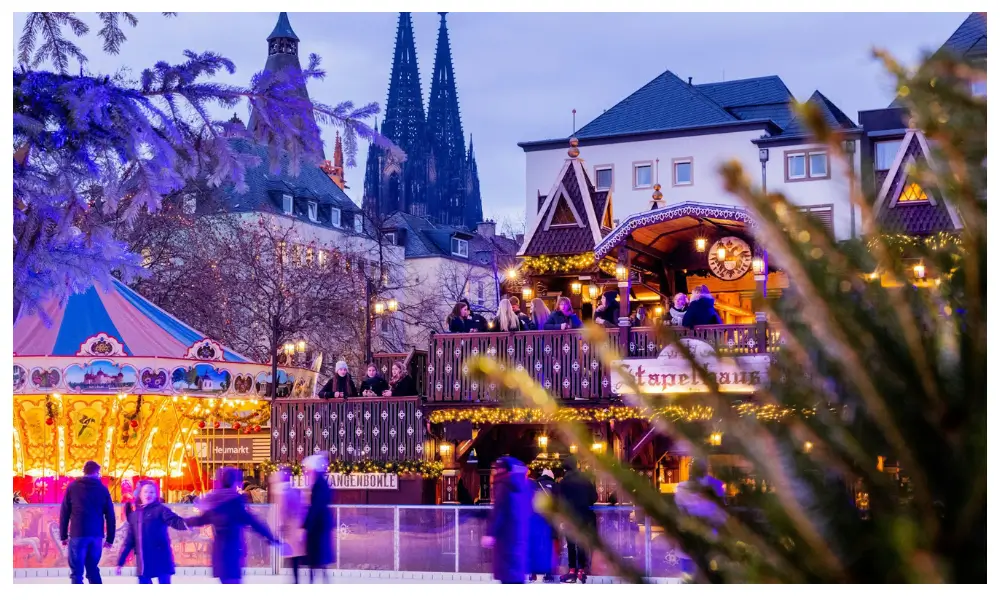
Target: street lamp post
(274, 358)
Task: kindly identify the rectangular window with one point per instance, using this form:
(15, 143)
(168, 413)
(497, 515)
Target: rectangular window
(321, 257)
(335, 217)
(796, 166)
(818, 165)
(885, 154)
(359, 223)
(313, 212)
(683, 171)
(603, 178)
(310, 255)
(384, 322)
(286, 203)
(459, 247)
(481, 292)
(978, 88)
(806, 165)
(642, 175)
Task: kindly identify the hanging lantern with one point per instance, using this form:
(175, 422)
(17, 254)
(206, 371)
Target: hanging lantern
(758, 265)
(700, 244)
(919, 271)
(715, 439)
(379, 307)
(526, 293)
(576, 286)
(621, 272)
(392, 305)
(543, 441)
(593, 290)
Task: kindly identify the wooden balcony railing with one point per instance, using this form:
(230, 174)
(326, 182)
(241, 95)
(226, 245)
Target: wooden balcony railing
(563, 361)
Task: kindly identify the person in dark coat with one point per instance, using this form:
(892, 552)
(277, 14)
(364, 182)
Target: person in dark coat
(542, 537)
(606, 312)
(226, 511)
(578, 494)
(318, 522)
(86, 519)
(148, 536)
(374, 384)
(523, 319)
(510, 520)
(340, 385)
(458, 320)
(563, 317)
(401, 383)
(701, 310)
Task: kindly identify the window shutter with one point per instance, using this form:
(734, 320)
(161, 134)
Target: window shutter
(823, 214)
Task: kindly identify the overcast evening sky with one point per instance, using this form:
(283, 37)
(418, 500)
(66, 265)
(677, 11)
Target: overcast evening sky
(520, 75)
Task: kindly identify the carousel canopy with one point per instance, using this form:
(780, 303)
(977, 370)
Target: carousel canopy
(138, 325)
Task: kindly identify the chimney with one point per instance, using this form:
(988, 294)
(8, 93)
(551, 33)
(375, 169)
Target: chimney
(689, 80)
(487, 229)
(520, 239)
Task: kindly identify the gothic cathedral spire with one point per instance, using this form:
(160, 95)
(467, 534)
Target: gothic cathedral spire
(445, 125)
(473, 198)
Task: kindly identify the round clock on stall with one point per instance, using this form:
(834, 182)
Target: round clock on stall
(730, 258)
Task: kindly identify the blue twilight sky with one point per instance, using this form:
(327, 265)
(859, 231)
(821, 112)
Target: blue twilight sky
(520, 74)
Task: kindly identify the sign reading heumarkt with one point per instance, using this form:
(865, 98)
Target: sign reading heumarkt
(228, 449)
(671, 373)
(363, 481)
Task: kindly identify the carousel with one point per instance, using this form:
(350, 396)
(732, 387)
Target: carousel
(110, 377)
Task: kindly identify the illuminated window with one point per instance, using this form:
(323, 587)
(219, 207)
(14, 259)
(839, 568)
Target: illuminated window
(913, 193)
(321, 257)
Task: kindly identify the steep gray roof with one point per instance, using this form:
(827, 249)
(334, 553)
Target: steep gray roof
(420, 238)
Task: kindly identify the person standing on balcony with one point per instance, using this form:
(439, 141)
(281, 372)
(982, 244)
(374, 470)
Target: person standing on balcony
(509, 525)
(149, 537)
(401, 383)
(701, 311)
(86, 517)
(523, 320)
(563, 317)
(291, 514)
(640, 319)
(507, 320)
(606, 312)
(341, 385)
(319, 522)
(578, 495)
(374, 385)
(458, 320)
(678, 310)
(539, 314)
(225, 509)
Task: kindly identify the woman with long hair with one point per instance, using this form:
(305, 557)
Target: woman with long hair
(400, 382)
(148, 536)
(539, 313)
(506, 317)
(458, 320)
(319, 521)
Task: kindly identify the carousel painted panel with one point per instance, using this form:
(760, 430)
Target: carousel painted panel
(154, 375)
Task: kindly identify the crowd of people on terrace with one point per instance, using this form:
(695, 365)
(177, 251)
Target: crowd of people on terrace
(680, 312)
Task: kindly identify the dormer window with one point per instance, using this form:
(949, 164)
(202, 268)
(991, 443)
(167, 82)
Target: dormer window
(389, 237)
(359, 223)
(460, 247)
(313, 212)
(286, 203)
(335, 217)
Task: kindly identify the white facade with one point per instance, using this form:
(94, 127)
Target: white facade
(706, 153)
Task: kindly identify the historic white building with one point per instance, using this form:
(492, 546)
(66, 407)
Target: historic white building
(678, 134)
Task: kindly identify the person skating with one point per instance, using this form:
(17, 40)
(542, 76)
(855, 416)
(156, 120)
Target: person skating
(288, 501)
(542, 537)
(578, 494)
(509, 520)
(148, 536)
(86, 519)
(226, 511)
(318, 522)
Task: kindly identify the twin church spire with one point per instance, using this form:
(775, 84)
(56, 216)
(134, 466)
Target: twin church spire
(438, 179)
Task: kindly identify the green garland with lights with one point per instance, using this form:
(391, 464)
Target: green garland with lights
(423, 468)
(899, 242)
(763, 412)
(541, 265)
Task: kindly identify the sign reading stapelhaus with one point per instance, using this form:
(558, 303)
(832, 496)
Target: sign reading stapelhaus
(364, 481)
(672, 373)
